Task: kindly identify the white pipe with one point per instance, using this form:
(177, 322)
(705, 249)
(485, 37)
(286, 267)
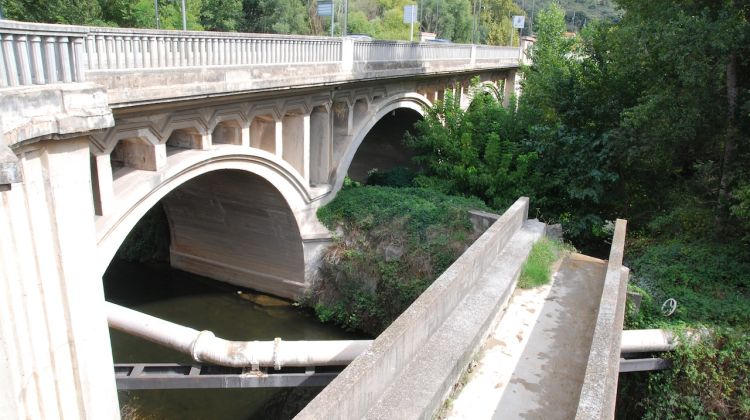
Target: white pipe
(642, 341)
(205, 347)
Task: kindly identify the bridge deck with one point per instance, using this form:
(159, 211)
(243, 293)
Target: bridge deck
(533, 364)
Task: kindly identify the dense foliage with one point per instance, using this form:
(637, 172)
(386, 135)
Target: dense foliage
(380, 19)
(392, 243)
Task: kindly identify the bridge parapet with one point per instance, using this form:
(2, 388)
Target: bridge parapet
(138, 65)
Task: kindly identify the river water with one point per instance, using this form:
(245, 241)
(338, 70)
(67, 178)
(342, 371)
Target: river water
(205, 304)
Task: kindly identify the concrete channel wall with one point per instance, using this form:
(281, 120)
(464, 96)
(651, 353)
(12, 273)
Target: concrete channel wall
(599, 390)
(361, 385)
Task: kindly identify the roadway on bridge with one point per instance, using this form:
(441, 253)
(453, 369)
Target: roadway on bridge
(533, 363)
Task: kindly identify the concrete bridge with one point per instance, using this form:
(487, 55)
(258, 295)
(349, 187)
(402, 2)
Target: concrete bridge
(241, 137)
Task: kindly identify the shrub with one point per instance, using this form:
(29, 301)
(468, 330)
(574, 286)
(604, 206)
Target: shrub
(394, 243)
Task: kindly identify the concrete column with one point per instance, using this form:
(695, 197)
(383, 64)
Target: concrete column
(101, 183)
(306, 148)
(279, 150)
(350, 121)
(321, 127)
(55, 349)
(245, 133)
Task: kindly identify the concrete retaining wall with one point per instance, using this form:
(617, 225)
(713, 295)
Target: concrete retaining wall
(354, 392)
(599, 390)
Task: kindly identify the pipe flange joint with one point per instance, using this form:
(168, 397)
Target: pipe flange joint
(276, 351)
(195, 349)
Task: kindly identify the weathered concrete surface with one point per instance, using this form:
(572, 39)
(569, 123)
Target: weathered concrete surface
(422, 334)
(34, 112)
(236, 227)
(423, 385)
(54, 342)
(547, 380)
(599, 392)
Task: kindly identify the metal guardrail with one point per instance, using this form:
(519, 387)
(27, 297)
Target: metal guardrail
(38, 54)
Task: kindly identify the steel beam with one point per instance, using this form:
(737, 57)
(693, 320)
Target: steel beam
(180, 376)
(643, 365)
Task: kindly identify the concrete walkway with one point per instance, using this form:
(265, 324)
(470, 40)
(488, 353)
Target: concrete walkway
(533, 364)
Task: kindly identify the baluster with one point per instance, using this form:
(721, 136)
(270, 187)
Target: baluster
(119, 52)
(37, 63)
(79, 63)
(129, 49)
(160, 51)
(22, 53)
(137, 52)
(65, 64)
(91, 52)
(10, 59)
(221, 44)
(3, 64)
(230, 51)
(193, 51)
(145, 53)
(168, 52)
(101, 58)
(183, 52)
(110, 49)
(153, 46)
(200, 52)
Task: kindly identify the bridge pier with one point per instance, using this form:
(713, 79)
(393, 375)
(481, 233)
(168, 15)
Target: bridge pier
(52, 320)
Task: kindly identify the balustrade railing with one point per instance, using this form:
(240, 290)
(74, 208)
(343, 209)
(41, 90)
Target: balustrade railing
(503, 54)
(33, 54)
(40, 54)
(407, 51)
(119, 49)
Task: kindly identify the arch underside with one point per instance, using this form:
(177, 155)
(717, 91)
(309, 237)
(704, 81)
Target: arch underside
(235, 227)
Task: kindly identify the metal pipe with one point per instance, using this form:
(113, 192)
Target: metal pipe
(643, 341)
(205, 347)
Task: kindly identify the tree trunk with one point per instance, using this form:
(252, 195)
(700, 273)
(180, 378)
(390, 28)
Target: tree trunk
(730, 141)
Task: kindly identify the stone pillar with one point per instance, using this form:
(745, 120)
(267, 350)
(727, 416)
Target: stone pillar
(54, 347)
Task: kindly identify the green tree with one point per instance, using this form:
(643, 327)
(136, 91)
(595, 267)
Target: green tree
(221, 15)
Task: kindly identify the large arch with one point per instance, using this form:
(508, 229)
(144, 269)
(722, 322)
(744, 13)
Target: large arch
(252, 177)
(412, 101)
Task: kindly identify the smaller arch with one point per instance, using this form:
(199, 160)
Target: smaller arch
(413, 101)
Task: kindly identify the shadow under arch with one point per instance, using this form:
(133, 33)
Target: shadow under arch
(233, 218)
(411, 101)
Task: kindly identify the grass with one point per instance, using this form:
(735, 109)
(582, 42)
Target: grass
(536, 270)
